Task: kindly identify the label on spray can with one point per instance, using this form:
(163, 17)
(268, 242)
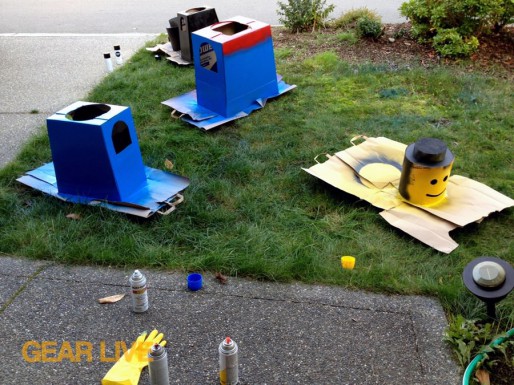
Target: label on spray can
(138, 292)
(158, 365)
(117, 54)
(229, 366)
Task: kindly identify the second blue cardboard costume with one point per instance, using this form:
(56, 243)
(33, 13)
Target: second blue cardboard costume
(97, 161)
(234, 70)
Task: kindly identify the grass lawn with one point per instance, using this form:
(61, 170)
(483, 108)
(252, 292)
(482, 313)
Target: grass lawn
(251, 211)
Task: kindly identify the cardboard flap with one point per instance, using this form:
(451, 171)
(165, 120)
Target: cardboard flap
(469, 201)
(378, 160)
(161, 188)
(338, 174)
(423, 226)
(191, 112)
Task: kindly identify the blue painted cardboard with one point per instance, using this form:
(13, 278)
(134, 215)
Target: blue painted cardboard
(191, 112)
(234, 65)
(97, 157)
(159, 195)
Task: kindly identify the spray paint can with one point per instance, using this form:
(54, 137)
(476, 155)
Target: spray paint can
(117, 54)
(138, 291)
(158, 365)
(108, 62)
(229, 367)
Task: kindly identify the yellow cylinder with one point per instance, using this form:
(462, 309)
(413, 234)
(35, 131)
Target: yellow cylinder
(426, 170)
(348, 262)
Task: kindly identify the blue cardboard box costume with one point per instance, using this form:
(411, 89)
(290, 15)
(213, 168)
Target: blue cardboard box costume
(97, 161)
(235, 73)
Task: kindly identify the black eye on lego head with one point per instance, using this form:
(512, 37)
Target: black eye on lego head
(433, 181)
(445, 178)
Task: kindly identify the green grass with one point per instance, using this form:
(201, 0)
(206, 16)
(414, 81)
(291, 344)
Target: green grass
(251, 211)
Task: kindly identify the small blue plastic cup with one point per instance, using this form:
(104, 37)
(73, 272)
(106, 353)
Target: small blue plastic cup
(194, 281)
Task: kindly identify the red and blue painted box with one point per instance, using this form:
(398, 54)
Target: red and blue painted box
(234, 65)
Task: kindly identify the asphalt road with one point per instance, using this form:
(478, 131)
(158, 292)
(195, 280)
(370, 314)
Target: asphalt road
(51, 50)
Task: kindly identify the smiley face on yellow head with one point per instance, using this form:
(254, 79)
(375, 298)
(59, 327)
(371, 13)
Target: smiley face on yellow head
(425, 173)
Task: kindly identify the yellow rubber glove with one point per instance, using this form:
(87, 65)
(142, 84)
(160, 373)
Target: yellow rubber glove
(128, 368)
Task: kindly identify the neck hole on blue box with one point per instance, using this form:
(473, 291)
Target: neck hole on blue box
(120, 136)
(87, 112)
(230, 28)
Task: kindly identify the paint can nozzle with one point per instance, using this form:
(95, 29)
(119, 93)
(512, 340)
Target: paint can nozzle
(158, 365)
(229, 366)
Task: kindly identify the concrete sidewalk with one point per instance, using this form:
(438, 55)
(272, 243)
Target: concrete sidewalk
(287, 333)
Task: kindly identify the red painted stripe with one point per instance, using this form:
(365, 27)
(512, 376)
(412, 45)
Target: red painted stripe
(246, 41)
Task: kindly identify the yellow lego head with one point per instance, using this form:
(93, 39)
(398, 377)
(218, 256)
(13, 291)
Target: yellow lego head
(426, 170)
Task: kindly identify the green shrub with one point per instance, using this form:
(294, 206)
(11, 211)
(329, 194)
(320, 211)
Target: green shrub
(459, 22)
(304, 15)
(349, 19)
(448, 42)
(348, 37)
(370, 28)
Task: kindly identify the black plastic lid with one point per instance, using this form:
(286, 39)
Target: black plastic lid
(107, 55)
(117, 47)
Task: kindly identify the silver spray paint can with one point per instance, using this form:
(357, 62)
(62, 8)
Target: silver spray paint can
(158, 365)
(138, 292)
(229, 366)
(117, 54)
(108, 62)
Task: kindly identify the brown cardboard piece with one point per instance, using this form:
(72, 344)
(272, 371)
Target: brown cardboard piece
(171, 55)
(371, 171)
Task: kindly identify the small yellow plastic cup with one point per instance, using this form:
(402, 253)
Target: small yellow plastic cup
(348, 262)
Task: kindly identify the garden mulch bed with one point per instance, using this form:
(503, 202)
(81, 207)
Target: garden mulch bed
(397, 47)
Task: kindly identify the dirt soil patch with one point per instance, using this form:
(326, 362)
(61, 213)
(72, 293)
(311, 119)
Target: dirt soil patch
(396, 47)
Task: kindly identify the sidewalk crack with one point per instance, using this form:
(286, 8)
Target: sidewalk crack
(22, 288)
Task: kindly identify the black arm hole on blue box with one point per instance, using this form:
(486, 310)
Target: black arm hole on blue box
(120, 136)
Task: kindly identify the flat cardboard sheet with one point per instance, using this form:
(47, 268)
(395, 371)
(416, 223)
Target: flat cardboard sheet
(371, 171)
(171, 55)
(186, 108)
(161, 192)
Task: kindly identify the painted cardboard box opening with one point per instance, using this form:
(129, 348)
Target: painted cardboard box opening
(230, 28)
(120, 132)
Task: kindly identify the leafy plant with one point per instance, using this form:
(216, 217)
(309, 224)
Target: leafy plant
(349, 19)
(456, 24)
(348, 37)
(448, 42)
(369, 28)
(467, 337)
(304, 15)
(497, 363)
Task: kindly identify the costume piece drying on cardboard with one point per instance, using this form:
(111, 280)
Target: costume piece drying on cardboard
(97, 161)
(179, 48)
(235, 73)
(413, 186)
